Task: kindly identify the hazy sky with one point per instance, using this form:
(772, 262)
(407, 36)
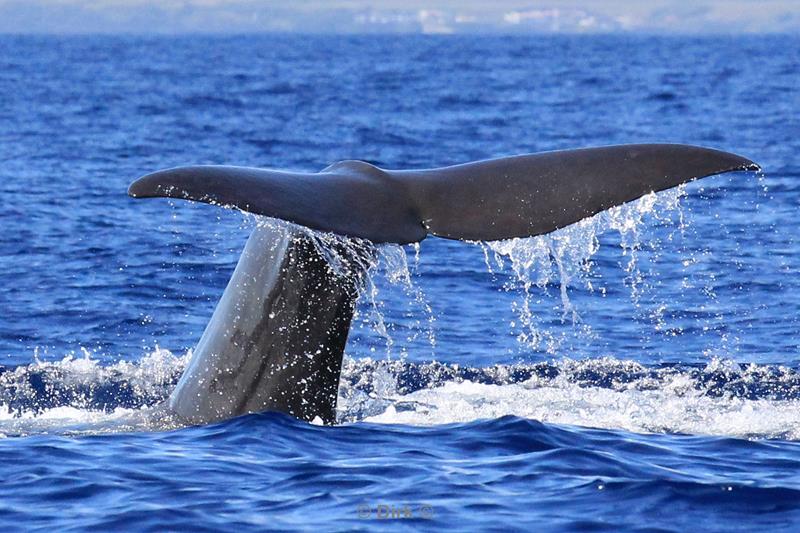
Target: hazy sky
(429, 16)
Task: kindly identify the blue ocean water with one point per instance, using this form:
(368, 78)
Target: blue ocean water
(638, 371)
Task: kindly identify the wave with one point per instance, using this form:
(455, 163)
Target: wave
(81, 395)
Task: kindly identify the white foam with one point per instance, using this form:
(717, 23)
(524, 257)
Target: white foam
(676, 406)
(69, 420)
(152, 376)
(631, 396)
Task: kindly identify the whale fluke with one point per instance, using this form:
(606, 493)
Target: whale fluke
(517, 196)
(277, 336)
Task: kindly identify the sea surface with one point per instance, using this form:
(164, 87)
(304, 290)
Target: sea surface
(636, 371)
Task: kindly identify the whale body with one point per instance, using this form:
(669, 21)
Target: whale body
(276, 339)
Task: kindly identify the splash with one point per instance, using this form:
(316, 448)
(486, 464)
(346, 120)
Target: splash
(79, 396)
(382, 266)
(722, 398)
(564, 258)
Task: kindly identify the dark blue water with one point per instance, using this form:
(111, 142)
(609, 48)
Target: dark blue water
(475, 372)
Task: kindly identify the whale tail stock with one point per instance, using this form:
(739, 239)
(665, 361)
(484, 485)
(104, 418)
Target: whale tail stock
(277, 336)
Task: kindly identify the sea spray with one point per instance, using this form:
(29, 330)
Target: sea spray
(389, 387)
(384, 264)
(564, 258)
(720, 398)
(78, 395)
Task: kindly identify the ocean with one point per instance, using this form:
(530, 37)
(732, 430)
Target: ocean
(639, 370)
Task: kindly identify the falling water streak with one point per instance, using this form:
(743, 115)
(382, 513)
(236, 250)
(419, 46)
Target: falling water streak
(535, 262)
(563, 256)
(346, 255)
(567, 253)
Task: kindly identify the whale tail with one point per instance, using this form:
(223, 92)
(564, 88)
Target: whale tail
(277, 337)
(502, 198)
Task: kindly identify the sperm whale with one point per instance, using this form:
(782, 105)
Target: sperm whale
(276, 339)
